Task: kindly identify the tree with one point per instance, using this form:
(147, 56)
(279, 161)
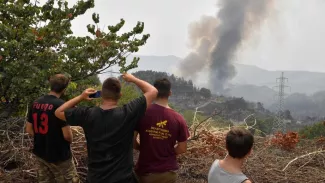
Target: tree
(189, 115)
(180, 86)
(76, 88)
(260, 107)
(287, 115)
(129, 92)
(265, 125)
(313, 131)
(36, 41)
(236, 104)
(206, 93)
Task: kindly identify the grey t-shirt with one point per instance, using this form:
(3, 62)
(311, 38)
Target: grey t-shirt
(219, 175)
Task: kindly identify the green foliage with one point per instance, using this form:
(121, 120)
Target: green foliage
(221, 122)
(76, 88)
(180, 86)
(129, 92)
(287, 115)
(36, 41)
(174, 107)
(236, 103)
(189, 115)
(313, 131)
(206, 93)
(265, 125)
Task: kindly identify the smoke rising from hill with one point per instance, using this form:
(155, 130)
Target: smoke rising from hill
(215, 40)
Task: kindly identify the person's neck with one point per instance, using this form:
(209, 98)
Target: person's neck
(235, 164)
(108, 104)
(58, 95)
(162, 102)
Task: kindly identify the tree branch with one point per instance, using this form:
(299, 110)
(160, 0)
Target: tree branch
(101, 70)
(315, 152)
(195, 137)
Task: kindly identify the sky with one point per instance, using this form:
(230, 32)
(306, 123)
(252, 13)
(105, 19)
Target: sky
(291, 37)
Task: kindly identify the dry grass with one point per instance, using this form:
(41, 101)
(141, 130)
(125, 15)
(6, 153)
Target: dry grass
(264, 166)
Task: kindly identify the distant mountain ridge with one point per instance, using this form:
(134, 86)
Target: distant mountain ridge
(299, 81)
(306, 98)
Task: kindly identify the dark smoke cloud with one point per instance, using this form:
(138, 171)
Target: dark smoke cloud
(215, 40)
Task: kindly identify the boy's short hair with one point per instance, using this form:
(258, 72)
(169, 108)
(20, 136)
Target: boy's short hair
(239, 142)
(58, 83)
(163, 86)
(111, 89)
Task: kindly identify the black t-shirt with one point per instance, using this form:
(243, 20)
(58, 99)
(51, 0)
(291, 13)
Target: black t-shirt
(49, 143)
(109, 135)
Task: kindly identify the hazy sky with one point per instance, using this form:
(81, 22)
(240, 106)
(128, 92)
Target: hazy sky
(291, 38)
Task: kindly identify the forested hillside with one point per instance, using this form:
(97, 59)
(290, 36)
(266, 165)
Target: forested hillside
(246, 84)
(186, 97)
(305, 107)
(180, 86)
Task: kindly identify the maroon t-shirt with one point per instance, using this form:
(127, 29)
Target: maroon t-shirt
(159, 130)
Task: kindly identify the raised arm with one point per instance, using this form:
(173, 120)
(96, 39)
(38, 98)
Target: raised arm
(149, 91)
(59, 113)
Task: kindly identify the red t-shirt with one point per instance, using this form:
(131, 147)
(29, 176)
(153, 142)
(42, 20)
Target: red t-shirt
(159, 130)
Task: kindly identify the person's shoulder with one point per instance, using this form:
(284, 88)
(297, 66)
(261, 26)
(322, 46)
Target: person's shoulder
(140, 99)
(41, 98)
(247, 181)
(178, 116)
(154, 107)
(49, 99)
(88, 108)
(215, 162)
(57, 101)
(214, 166)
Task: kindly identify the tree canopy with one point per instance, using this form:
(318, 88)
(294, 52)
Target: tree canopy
(206, 93)
(36, 41)
(180, 86)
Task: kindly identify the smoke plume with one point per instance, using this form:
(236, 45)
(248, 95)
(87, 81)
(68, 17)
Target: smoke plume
(215, 40)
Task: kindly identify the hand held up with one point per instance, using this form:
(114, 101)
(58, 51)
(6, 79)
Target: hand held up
(85, 94)
(128, 77)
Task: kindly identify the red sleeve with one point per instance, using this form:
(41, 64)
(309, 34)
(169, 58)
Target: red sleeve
(183, 133)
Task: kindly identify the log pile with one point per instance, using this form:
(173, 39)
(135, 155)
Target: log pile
(269, 163)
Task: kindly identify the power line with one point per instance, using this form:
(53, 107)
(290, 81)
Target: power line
(279, 124)
(112, 72)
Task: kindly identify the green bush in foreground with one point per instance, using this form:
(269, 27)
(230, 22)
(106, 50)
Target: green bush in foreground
(313, 131)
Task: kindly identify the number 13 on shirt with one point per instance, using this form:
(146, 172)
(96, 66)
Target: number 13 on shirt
(43, 127)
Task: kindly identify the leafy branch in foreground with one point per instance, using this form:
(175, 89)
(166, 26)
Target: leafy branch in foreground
(36, 41)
